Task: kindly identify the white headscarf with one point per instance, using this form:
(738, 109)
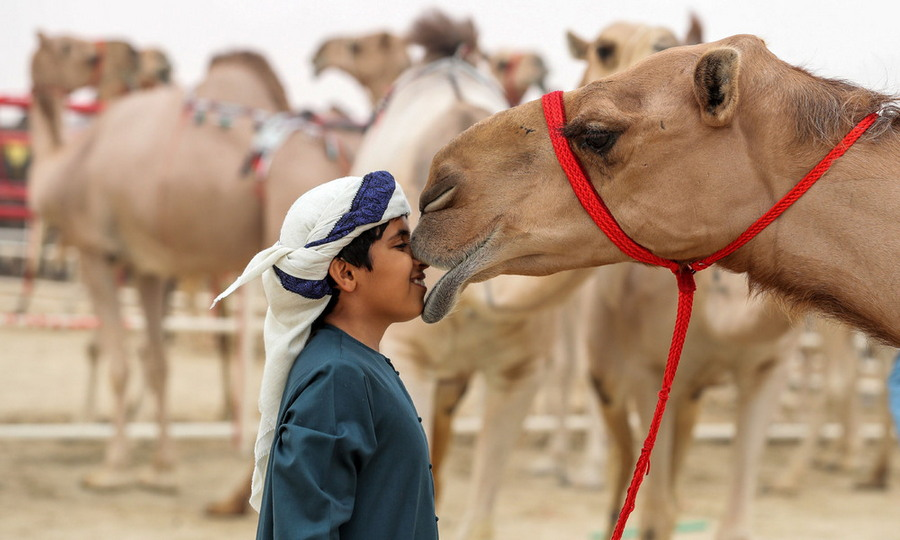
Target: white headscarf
(318, 225)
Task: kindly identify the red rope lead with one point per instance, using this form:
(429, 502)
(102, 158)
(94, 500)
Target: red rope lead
(686, 288)
(554, 114)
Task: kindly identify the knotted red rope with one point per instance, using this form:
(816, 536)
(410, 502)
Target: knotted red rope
(555, 115)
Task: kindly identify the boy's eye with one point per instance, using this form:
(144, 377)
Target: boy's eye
(402, 246)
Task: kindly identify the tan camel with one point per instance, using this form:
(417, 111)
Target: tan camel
(834, 363)
(111, 68)
(374, 60)
(152, 188)
(734, 337)
(687, 148)
(518, 71)
(377, 60)
(622, 44)
(64, 64)
(503, 329)
(154, 68)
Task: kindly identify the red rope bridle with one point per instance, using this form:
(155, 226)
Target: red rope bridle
(555, 115)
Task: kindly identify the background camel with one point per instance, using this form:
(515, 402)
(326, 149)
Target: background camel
(831, 371)
(120, 205)
(63, 64)
(376, 60)
(517, 71)
(622, 44)
(734, 337)
(628, 128)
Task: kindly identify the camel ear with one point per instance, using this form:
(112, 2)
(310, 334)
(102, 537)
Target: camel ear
(695, 32)
(42, 38)
(577, 47)
(384, 40)
(716, 85)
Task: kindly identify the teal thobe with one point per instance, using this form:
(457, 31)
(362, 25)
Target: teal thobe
(350, 459)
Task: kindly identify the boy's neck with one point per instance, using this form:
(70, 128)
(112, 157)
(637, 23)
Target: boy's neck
(366, 332)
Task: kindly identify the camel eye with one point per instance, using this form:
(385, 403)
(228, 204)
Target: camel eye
(605, 51)
(502, 65)
(355, 48)
(598, 141)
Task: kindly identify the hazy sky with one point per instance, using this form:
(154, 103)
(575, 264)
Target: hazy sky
(859, 41)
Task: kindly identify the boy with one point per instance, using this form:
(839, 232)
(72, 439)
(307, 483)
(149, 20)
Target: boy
(345, 456)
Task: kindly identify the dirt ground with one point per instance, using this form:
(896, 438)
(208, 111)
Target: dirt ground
(44, 382)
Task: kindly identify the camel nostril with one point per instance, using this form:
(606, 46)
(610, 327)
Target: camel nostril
(439, 202)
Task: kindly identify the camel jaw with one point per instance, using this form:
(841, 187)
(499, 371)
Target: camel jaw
(444, 293)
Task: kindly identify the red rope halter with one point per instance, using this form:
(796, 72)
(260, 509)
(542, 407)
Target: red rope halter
(555, 115)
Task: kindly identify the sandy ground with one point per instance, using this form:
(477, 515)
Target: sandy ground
(44, 382)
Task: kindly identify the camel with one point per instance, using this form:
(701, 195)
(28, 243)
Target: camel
(706, 116)
(63, 64)
(502, 328)
(376, 60)
(837, 358)
(128, 194)
(517, 71)
(154, 68)
(622, 44)
(734, 337)
(112, 68)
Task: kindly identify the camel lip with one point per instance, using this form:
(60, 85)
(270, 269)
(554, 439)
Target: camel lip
(442, 297)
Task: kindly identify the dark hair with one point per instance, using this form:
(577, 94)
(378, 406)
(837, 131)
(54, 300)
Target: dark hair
(357, 254)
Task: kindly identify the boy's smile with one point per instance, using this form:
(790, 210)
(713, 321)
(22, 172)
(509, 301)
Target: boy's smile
(395, 288)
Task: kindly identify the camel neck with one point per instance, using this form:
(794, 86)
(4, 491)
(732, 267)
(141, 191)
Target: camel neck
(45, 117)
(379, 88)
(837, 247)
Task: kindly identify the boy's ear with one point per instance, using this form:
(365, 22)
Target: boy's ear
(343, 274)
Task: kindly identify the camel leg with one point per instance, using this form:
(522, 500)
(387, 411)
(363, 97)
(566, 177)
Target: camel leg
(225, 346)
(153, 292)
(659, 511)
(590, 473)
(508, 400)
(615, 417)
(100, 280)
(813, 414)
(90, 399)
(846, 367)
(758, 392)
(877, 476)
(558, 390)
(448, 394)
(34, 242)
(236, 503)
(685, 418)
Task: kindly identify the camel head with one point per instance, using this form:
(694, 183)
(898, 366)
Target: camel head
(684, 148)
(154, 68)
(442, 37)
(517, 72)
(64, 63)
(622, 44)
(374, 60)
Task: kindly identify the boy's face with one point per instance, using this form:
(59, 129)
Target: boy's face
(394, 290)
